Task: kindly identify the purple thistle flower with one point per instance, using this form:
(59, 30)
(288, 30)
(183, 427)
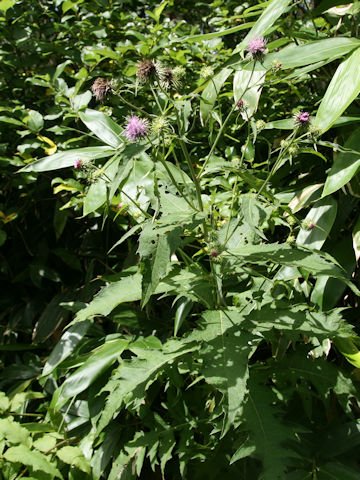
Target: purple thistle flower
(136, 128)
(240, 104)
(257, 46)
(78, 164)
(302, 118)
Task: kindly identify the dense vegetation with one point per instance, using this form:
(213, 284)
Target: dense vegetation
(180, 233)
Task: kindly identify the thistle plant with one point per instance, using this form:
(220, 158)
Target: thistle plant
(221, 353)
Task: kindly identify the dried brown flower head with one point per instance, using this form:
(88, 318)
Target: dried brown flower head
(146, 70)
(101, 88)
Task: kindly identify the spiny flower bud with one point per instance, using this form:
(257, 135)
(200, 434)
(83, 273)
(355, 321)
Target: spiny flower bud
(158, 125)
(179, 72)
(146, 70)
(307, 224)
(284, 144)
(290, 240)
(260, 125)
(101, 88)
(206, 72)
(293, 149)
(170, 78)
(314, 131)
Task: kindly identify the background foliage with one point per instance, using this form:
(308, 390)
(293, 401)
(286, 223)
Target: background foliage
(185, 306)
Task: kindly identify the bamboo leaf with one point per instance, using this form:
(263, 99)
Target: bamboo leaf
(99, 361)
(68, 158)
(343, 89)
(266, 20)
(345, 166)
(322, 215)
(211, 92)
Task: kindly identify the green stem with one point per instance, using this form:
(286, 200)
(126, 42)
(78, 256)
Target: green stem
(277, 162)
(222, 128)
(131, 105)
(156, 99)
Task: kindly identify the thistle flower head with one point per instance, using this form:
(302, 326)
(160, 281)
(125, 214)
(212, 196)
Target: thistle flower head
(100, 88)
(240, 104)
(136, 128)
(206, 72)
(257, 47)
(78, 164)
(170, 78)
(146, 70)
(302, 118)
(276, 66)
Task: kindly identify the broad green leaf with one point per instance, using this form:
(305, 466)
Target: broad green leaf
(356, 238)
(266, 20)
(348, 348)
(138, 184)
(45, 443)
(97, 194)
(132, 378)
(294, 321)
(103, 127)
(4, 403)
(51, 318)
(209, 36)
(183, 308)
(343, 89)
(128, 289)
(322, 215)
(247, 87)
(305, 197)
(281, 254)
(68, 158)
(337, 470)
(326, 376)
(6, 4)
(340, 439)
(100, 359)
(13, 432)
(36, 460)
(155, 267)
(95, 197)
(345, 166)
(328, 291)
(75, 457)
(35, 121)
(225, 354)
(65, 346)
(211, 92)
(266, 430)
(12, 121)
